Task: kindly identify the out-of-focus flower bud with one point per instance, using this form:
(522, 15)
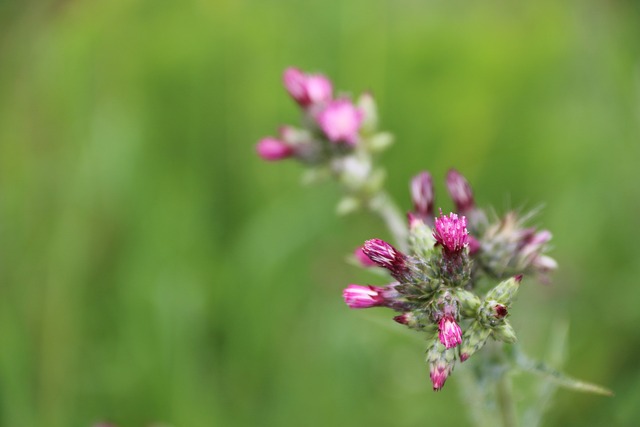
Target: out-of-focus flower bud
(460, 191)
(340, 121)
(273, 149)
(307, 89)
(422, 195)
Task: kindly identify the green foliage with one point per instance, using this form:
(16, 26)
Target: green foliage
(152, 269)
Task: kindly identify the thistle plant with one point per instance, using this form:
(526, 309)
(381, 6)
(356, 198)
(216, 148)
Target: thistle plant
(454, 277)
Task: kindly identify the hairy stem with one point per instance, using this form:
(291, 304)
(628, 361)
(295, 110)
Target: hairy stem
(504, 394)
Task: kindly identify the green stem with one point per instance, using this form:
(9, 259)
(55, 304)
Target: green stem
(474, 397)
(504, 394)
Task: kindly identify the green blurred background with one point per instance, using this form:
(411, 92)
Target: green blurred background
(153, 269)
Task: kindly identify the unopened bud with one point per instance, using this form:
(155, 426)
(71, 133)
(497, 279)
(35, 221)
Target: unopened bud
(357, 296)
(441, 362)
(473, 339)
(504, 333)
(504, 292)
(386, 256)
(450, 334)
(272, 149)
(460, 191)
(421, 241)
(307, 89)
(468, 302)
(422, 194)
(340, 121)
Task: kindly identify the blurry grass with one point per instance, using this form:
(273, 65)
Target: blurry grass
(152, 269)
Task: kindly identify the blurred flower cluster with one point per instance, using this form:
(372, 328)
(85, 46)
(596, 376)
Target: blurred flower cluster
(446, 284)
(337, 137)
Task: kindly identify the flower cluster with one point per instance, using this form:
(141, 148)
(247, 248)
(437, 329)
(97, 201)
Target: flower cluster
(337, 136)
(444, 284)
(455, 275)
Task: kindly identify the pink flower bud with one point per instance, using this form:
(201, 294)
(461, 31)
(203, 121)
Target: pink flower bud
(474, 245)
(340, 121)
(460, 191)
(386, 256)
(422, 194)
(449, 333)
(403, 318)
(408, 318)
(362, 258)
(439, 372)
(307, 89)
(273, 149)
(451, 232)
(357, 296)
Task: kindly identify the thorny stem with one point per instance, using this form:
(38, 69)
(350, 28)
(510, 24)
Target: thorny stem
(384, 206)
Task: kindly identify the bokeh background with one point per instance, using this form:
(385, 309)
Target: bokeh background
(154, 270)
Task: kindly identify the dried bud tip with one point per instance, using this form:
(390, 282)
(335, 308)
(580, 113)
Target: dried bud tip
(518, 278)
(500, 310)
(403, 318)
(464, 357)
(474, 245)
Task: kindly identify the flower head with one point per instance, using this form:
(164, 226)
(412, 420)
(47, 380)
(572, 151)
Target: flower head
(439, 372)
(307, 89)
(449, 333)
(273, 149)
(340, 121)
(357, 296)
(460, 191)
(386, 256)
(451, 232)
